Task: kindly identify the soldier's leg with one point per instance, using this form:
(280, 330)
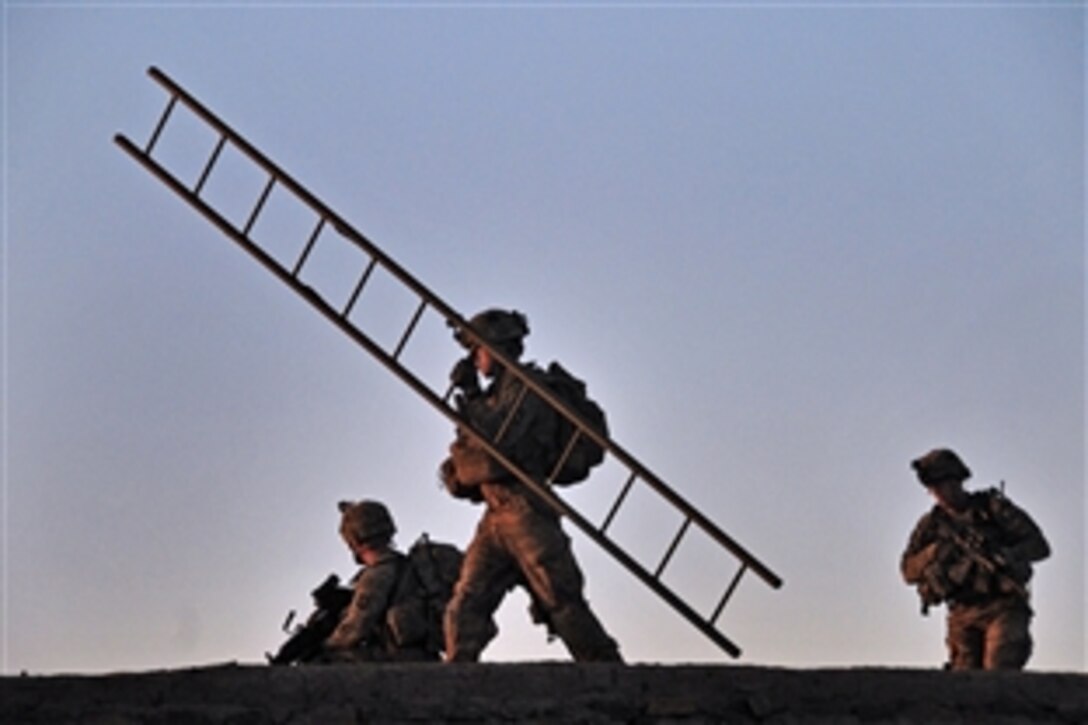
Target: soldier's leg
(964, 639)
(544, 555)
(1008, 639)
(487, 573)
(583, 634)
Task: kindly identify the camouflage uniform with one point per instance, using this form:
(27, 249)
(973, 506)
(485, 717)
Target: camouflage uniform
(519, 540)
(988, 623)
(385, 620)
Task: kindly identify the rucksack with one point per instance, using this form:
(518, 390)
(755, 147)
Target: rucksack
(587, 453)
(426, 585)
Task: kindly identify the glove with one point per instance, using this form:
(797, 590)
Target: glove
(464, 376)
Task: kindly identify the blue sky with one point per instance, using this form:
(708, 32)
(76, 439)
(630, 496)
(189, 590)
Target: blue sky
(790, 247)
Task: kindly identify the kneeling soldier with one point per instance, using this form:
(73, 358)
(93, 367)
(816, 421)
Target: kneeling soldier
(383, 622)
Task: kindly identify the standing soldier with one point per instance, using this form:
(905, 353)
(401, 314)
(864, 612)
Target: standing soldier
(385, 619)
(519, 540)
(973, 551)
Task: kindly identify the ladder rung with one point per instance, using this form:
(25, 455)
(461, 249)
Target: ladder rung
(359, 288)
(162, 124)
(309, 246)
(728, 592)
(566, 454)
(259, 205)
(672, 547)
(511, 415)
(410, 329)
(208, 166)
(619, 501)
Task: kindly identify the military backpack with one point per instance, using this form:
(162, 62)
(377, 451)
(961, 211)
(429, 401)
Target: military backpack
(586, 453)
(426, 584)
(470, 465)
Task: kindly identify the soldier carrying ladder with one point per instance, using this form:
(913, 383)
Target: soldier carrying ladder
(328, 223)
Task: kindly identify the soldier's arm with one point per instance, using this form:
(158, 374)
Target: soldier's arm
(1022, 539)
(366, 613)
(921, 551)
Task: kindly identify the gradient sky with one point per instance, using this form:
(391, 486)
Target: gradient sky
(790, 247)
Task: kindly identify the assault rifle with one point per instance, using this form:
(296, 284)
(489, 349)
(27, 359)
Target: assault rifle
(306, 640)
(978, 550)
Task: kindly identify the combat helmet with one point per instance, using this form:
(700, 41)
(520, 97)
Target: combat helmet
(498, 327)
(366, 522)
(938, 465)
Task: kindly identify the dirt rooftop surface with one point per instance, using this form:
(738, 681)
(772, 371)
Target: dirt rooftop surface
(551, 692)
